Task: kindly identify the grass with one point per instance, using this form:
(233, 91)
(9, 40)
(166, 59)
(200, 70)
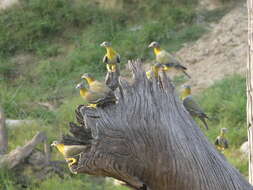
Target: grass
(63, 40)
(225, 103)
(40, 27)
(42, 21)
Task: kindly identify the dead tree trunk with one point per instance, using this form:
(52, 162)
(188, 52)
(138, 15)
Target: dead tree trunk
(12, 159)
(149, 138)
(3, 134)
(250, 88)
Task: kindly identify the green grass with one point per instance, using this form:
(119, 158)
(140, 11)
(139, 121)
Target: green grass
(225, 103)
(43, 28)
(78, 182)
(6, 180)
(30, 24)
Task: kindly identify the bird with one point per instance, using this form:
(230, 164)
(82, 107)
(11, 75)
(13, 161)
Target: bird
(155, 70)
(168, 60)
(95, 85)
(191, 105)
(69, 151)
(95, 98)
(221, 142)
(111, 58)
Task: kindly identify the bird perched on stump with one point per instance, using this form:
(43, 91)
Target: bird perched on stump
(95, 85)
(95, 98)
(154, 70)
(191, 105)
(69, 151)
(221, 142)
(169, 61)
(111, 58)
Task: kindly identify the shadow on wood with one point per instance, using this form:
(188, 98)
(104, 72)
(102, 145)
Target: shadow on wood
(149, 138)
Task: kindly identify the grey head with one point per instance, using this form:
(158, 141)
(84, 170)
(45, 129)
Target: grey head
(154, 44)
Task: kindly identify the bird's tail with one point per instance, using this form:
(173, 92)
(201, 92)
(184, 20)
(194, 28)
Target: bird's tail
(204, 122)
(111, 99)
(79, 116)
(205, 116)
(186, 74)
(121, 91)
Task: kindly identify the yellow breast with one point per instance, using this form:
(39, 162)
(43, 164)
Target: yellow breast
(83, 92)
(186, 92)
(60, 147)
(111, 54)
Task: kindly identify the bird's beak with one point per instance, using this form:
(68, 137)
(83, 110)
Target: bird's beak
(52, 144)
(83, 77)
(102, 45)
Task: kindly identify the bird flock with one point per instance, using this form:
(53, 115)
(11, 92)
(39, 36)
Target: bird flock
(100, 94)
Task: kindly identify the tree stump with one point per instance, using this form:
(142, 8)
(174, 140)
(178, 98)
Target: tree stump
(150, 141)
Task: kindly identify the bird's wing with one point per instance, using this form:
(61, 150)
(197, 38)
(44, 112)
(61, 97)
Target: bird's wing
(179, 66)
(169, 64)
(204, 122)
(216, 142)
(99, 98)
(225, 142)
(118, 58)
(168, 58)
(72, 150)
(192, 107)
(94, 97)
(164, 57)
(105, 59)
(100, 87)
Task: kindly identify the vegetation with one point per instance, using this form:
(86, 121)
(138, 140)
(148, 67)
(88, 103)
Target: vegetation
(225, 103)
(46, 45)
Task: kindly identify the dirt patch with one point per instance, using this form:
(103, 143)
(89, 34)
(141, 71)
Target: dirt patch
(7, 3)
(219, 53)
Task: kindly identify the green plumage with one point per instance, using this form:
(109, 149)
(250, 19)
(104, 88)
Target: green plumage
(165, 57)
(72, 150)
(98, 98)
(194, 109)
(221, 142)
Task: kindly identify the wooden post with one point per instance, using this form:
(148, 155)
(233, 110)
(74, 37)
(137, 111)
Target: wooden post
(3, 134)
(249, 77)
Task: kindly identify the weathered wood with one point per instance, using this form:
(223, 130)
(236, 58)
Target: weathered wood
(249, 78)
(3, 134)
(15, 157)
(112, 79)
(47, 151)
(149, 138)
